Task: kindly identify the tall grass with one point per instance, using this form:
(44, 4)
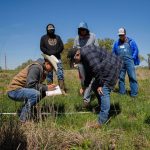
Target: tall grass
(128, 126)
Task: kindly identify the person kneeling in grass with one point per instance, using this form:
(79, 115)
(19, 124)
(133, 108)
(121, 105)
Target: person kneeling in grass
(105, 68)
(27, 84)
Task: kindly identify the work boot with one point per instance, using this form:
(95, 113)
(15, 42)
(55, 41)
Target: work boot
(62, 86)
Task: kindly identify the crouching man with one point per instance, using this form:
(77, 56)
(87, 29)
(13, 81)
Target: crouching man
(27, 84)
(105, 68)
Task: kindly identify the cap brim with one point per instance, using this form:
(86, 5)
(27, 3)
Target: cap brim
(50, 28)
(121, 33)
(52, 59)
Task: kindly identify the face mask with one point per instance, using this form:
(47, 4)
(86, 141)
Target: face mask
(51, 32)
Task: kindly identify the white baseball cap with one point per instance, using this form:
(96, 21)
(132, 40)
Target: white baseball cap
(121, 31)
(52, 59)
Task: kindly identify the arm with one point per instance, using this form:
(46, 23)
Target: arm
(114, 49)
(60, 45)
(96, 41)
(135, 49)
(42, 46)
(33, 79)
(88, 77)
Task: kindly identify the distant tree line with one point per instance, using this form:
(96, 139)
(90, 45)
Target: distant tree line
(23, 65)
(106, 43)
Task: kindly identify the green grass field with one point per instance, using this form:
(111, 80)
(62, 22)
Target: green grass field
(66, 128)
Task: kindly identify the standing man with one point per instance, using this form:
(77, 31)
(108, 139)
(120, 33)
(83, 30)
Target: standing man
(127, 49)
(84, 38)
(105, 68)
(27, 84)
(51, 44)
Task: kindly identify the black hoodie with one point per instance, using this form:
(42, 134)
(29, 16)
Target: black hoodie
(51, 46)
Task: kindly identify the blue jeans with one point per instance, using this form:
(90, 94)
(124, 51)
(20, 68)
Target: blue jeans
(29, 96)
(88, 90)
(128, 67)
(104, 101)
(60, 73)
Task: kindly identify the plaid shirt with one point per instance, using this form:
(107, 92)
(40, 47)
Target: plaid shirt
(101, 65)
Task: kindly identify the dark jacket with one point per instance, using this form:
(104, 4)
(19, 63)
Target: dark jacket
(36, 75)
(51, 49)
(30, 77)
(101, 65)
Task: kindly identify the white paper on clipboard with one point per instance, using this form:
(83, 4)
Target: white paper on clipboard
(57, 91)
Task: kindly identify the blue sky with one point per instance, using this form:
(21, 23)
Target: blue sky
(23, 22)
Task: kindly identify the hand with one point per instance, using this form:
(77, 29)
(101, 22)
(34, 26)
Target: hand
(99, 90)
(51, 87)
(82, 91)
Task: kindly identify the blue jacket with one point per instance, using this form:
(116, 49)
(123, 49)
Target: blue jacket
(135, 51)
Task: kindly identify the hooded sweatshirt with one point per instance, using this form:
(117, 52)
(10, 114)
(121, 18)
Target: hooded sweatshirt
(51, 45)
(85, 41)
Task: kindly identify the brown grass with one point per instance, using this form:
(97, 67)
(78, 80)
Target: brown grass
(142, 74)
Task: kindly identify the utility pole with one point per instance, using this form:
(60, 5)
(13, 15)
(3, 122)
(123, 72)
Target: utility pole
(5, 62)
(149, 61)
